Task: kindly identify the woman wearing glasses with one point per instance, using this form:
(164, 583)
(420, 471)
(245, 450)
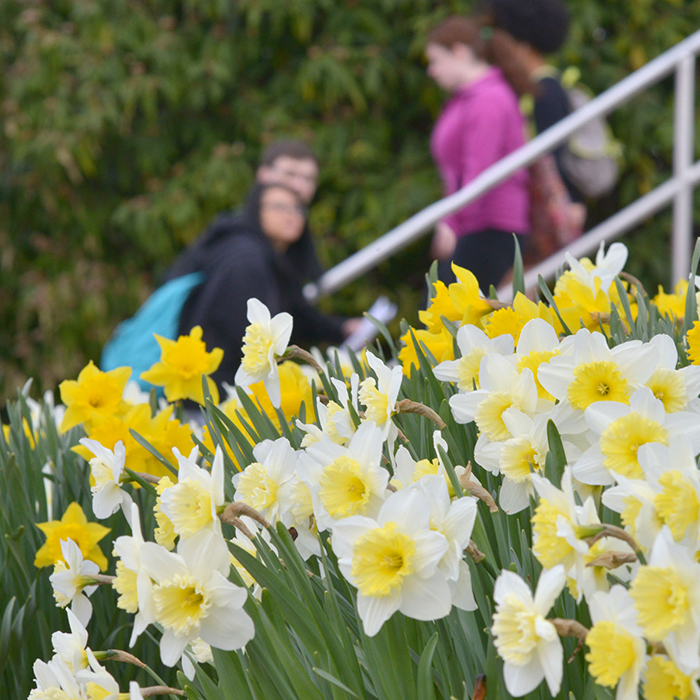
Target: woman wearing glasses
(260, 251)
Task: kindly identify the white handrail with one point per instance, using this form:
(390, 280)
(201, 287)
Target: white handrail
(680, 57)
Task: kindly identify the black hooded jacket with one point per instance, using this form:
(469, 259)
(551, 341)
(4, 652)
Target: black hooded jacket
(239, 263)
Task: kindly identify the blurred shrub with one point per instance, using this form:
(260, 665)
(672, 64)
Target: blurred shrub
(125, 125)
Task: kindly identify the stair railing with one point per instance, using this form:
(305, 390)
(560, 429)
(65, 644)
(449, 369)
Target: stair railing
(677, 190)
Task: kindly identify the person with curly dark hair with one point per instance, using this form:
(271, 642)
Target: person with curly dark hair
(523, 34)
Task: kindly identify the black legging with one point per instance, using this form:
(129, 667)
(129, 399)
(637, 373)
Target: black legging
(488, 254)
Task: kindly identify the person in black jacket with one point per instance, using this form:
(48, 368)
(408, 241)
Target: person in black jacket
(262, 251)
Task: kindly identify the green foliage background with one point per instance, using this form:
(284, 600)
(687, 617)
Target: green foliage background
(125, 125)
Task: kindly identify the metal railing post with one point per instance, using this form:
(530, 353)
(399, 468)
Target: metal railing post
(683, 147)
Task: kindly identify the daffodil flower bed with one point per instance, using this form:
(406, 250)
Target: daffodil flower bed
(511, 509)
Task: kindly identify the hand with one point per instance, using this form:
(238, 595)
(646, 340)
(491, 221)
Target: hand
(350, 326)
(444, 242)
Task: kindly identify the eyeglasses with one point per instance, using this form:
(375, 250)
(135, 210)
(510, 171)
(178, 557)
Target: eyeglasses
(311, 179)
(285, 208)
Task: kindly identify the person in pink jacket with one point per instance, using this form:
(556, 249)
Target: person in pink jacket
(479, 125)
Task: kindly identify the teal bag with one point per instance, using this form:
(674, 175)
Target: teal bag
(132, 344)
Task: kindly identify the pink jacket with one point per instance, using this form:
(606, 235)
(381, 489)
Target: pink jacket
(480, 125)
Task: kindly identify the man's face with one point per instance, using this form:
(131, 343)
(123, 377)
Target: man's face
(299, 175)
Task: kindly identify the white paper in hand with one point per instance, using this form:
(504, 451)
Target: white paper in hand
(383, 310)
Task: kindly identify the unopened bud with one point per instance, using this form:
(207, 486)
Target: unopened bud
(119, 655)
(611, 560)
(474, 552)
(477, 491)
(408, 406)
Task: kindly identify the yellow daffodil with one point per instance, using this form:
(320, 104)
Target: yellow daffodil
(589, 305)
(164, 534)
(466, 296)
(440, 305)
(233, 411)
(440, 345)
(182, 364)
(162, 432)
(27, 431)
(693, 339)
(72, 526)
(672, 305)
(512, 319)
(295, 391)
(95, 395)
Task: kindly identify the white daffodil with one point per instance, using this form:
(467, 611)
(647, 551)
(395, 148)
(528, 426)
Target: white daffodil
(454, 520)
(502, 386)
(36, 409)
(518, 456)
(538, 343)
(336, 422)
(134, 394)
(590, 371)
(299, 514)
(408, 471)
(634, 500)
(55, 680)
(97, 681)
(617, 648)
(132, 582)
(264, 341)
(345, 481)
(602, 274)
(676, 388)
(669, 495)
(71, 580)
(71, 646)
(193, 598)
(622, 428)
(193, 502)
(663, 680)
(107, 469)
(393, 561)
(379, 396)
(527, 642)
(135, 691)
(265, 484)
(672, 473)
(556, 523)
(339, 358)
(473, 345)
(588, 577)
(198, 650)
(666, 595)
